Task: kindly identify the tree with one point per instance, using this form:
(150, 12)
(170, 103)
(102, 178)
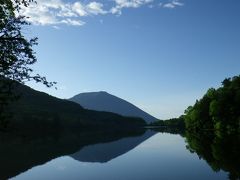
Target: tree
(218, 109)
(16, 53)
(226, 82)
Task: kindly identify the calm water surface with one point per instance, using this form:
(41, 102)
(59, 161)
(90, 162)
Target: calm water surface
(152, 156)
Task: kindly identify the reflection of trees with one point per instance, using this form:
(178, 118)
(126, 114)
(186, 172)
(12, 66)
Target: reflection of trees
(20, 153)
(170, 129)
(220, 151)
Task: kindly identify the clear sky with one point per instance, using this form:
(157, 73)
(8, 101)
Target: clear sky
(160, 55)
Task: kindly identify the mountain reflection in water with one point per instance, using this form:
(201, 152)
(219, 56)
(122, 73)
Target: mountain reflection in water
(209, 155)
(105, 152)
(18, 154)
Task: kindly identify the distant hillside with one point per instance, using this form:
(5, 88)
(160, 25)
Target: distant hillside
(38, 111)
(103, 101)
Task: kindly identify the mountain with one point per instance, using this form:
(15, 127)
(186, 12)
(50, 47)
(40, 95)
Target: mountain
(36, 111)
(105, 152)
(103, 101)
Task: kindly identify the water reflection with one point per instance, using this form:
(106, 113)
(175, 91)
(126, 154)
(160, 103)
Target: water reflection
(122, 155)
(18, 154)
(105, 152)
(163, 156)
(220, 151)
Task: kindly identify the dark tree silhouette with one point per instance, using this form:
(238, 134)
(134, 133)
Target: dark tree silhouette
(16, 53)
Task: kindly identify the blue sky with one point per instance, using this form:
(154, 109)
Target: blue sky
(161, 55)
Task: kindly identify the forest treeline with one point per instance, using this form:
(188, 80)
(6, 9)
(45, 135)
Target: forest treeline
(218, 109)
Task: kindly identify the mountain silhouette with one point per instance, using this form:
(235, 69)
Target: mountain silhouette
(37, 112)
(103, 101)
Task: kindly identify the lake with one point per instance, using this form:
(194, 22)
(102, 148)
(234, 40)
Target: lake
(149, 156)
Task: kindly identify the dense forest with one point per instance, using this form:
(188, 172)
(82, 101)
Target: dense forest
(218, 109)
(171, 123)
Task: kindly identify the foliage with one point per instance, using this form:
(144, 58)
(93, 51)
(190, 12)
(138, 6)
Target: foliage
(16, 53)
(174, 123)
(218, 109)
